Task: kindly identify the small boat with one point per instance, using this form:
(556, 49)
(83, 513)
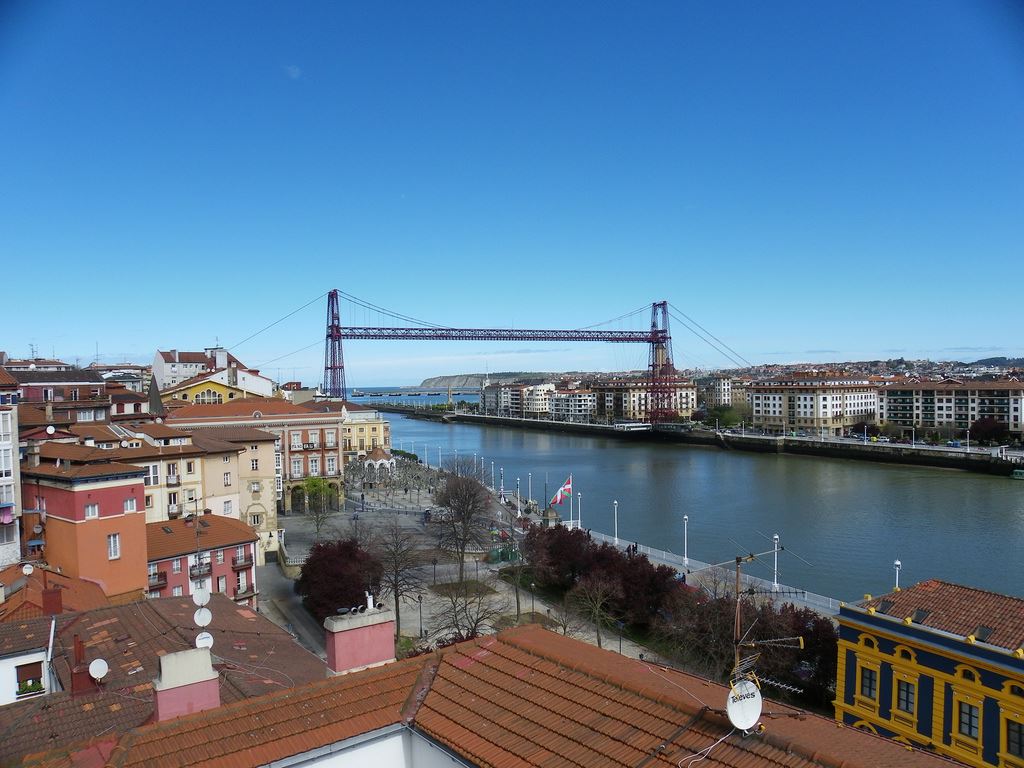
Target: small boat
(357, 393)
(1018, 474)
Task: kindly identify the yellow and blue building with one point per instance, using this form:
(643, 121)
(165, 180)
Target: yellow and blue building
(937, 666)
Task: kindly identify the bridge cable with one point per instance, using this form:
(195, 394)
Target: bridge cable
(261, 330)
(709, 333)
(710, 343)
(614, 319)
(396, 315)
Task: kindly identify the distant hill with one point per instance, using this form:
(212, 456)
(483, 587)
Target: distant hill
(1004, 362)
(475, 379)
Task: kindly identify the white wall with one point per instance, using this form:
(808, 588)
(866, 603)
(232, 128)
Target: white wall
(9, 678)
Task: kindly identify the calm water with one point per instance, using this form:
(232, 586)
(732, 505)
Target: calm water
(848, 519)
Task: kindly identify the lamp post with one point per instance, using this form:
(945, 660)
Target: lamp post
(968, 439)
(896, 564)
(433, 562)
(775, 571)
(533, 596)
(501, 490)
(579, 510)
(615, 506)
(686, 543)
(492, 475)
(529, 489)
(420, 598)
(457, 461)
(439, 458)
(519, 510)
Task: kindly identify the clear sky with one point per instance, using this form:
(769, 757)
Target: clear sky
(811, 181)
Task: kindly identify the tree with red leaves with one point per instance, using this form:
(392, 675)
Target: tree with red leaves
(337, 574)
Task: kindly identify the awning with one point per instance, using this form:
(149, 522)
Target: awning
(36, 542)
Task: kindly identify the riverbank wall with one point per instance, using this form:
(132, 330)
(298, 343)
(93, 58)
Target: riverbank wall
(891, 453)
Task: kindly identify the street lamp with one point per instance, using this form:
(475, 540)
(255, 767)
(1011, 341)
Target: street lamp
(533, 596)
(579, 510)
(968, 439)
(529, 489)
(519, 511)
(433, 562)
(913, 437)
(775, 573)
(686, 543)
(896, 566)
(421, 615)
(615, 505)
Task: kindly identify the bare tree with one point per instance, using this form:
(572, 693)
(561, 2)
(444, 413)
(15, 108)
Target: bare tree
(593, 597)
(398, 553)
(566, 620)
(469, 610)
(317, 490)
(465, 525)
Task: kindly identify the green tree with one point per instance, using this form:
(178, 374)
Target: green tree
(337, 574)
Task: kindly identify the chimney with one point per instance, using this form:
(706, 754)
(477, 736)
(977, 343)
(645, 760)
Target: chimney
(81, 680)
(174, 355)
(53, 602)
(187, 683)
(33, 455)
(362, 637)
(220, 357)
(3, 593)
(49, 411)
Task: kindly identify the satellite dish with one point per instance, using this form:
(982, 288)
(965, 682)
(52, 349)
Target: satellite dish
(362, 609)
(36, 529)
(50, 429)
(124, 443)
(378, 606)
(202, 617)
(27, 569)
(342, 611)
(743, 705)
(31, 366)
(204, 640)
(201, 596)
(98, 669)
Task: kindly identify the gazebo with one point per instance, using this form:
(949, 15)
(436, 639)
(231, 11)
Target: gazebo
(379, 459)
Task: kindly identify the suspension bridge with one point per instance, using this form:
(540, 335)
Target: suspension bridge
(660, 379)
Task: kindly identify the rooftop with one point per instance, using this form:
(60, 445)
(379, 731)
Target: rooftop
(524, 697)
(77, 376)
(183, 535)
(958, 610)
(27, 601)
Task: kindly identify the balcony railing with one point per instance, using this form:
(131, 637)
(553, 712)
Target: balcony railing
(158, 580)
(295, 475)
(241, 563)
(244, 593)
(199, 571)
(173, 480)
(173, 510)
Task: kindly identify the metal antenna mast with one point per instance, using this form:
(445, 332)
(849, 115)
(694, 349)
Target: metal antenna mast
(334, 360)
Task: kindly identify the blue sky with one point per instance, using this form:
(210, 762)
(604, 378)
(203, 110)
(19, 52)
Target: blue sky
(810, 181)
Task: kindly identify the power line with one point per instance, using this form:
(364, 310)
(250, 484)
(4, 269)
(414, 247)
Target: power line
(261, 330)
(709, 333)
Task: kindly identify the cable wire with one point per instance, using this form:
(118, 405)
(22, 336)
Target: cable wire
(636, 311)
(732, 358)
(741, 357)
(261, 330)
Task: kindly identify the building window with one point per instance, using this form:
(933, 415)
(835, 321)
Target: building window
(868, 683)
(1014, 738)
(176, 565)
(152, 476)
(222, 583)
(314, 465)
(92, 511)
(113, 546)
(254, 464)
(242, 584)
(176, 592)
(129, 504)
(330, 439)
(332, 465)
(6, 462)
(220, 557)
(190, 467)
(227, 479)
(225, 459)
(905, 696)
(296, 467)
(967, 722)
(7, 534)
(149, 502)
(227, 507)
(296, 441)
(255, 521)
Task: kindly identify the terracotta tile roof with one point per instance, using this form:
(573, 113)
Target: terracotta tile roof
(29, 634)
(101, 434)
(243, 408)
(254, 658)
(525, 697)
(957, 609)
(27, 602)
(77, 376)
(147, 451)
(378, 454)
(197, 379)
(6, 380)
(81, 471)
(333, 406)
(34, 416)
(215, 532)
(213, 444)
(235, 434)
(79, 454)
(158, 431)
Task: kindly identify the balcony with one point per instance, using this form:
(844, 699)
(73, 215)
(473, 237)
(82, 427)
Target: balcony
(241, 563)
(199, 571)
(173, 480)
(157, 580)
(244, 593)
(296, 475)
(173, 510)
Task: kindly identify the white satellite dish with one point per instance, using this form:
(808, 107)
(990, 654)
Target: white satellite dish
(204, 640)
(98, 669)
(37, 528)
(31, 366)
(201, 596)
(51, 429)
(202, 617)
(124, 443)
(27, 569)
(743, 705)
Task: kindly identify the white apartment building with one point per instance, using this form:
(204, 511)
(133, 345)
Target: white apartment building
(575, 405)
(175, 366)
(536, 401)
(10, 473)
(818, 405)
(952, 405)
(627, 399)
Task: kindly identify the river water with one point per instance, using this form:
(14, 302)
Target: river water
(848, 519)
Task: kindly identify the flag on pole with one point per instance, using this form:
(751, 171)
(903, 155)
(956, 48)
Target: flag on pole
(562, 493)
